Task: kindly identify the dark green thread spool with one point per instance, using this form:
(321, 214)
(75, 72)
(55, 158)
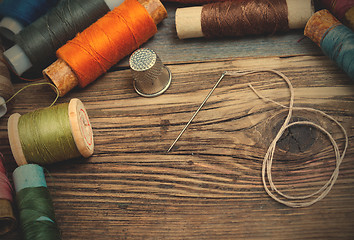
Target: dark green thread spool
(35, 204)
(36, 44)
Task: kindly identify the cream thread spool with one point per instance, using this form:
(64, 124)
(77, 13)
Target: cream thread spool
(6, 87)
(151, 76)
(80, 128)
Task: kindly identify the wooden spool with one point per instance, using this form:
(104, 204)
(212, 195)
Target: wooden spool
(60, 73)
(80, 129)
(319, 24)
(188, 20)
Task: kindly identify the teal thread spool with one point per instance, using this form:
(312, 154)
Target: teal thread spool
(34, 203)
(51, 135)
(335, 39)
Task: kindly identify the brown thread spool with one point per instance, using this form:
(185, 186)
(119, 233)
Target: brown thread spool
(6, 87)
(7, 217)
(64, 78)
(239, 18)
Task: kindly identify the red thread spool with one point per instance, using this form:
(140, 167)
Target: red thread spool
(341, 9)
(5, 186)
(95, 50)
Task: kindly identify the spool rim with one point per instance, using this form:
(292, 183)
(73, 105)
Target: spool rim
(81, 127)
(14, 139)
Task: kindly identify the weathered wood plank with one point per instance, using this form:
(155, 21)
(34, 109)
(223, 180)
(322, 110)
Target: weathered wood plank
(209, 186)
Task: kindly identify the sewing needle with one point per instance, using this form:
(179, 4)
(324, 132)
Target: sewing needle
(196, 112)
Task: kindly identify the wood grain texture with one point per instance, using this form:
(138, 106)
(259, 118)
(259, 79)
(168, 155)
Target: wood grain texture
(209, 186)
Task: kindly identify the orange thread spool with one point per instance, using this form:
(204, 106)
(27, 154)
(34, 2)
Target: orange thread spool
(104, 43)
(95, 50)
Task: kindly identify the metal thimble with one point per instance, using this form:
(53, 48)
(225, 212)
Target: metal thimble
(151, 77)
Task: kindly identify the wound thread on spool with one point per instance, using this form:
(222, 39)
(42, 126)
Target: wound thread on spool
(36, 44)
(36, 210)
(241, 18)
(19, 13)
(335, 39)
(51, 134)
(7, 218)
(341, 9)
(6, 87)
(95, 50)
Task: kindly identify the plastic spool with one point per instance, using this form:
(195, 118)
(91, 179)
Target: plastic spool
(80, 129)
(9, 27)
(188, 20)
(18, 59)
(6, 87)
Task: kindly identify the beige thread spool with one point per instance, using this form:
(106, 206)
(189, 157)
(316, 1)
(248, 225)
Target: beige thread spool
(80, 128)
(6, 87)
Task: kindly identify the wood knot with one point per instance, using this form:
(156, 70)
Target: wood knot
(297, 138)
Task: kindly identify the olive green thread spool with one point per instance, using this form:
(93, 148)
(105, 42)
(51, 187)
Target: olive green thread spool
(51, 135)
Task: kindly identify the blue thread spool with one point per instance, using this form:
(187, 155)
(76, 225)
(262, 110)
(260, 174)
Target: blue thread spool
(335, 39)
(20, 13)
(338, 44)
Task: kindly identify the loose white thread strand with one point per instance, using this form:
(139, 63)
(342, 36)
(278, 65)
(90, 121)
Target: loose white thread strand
(268, 158)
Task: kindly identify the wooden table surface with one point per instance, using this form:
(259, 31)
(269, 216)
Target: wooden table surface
(209, 186)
